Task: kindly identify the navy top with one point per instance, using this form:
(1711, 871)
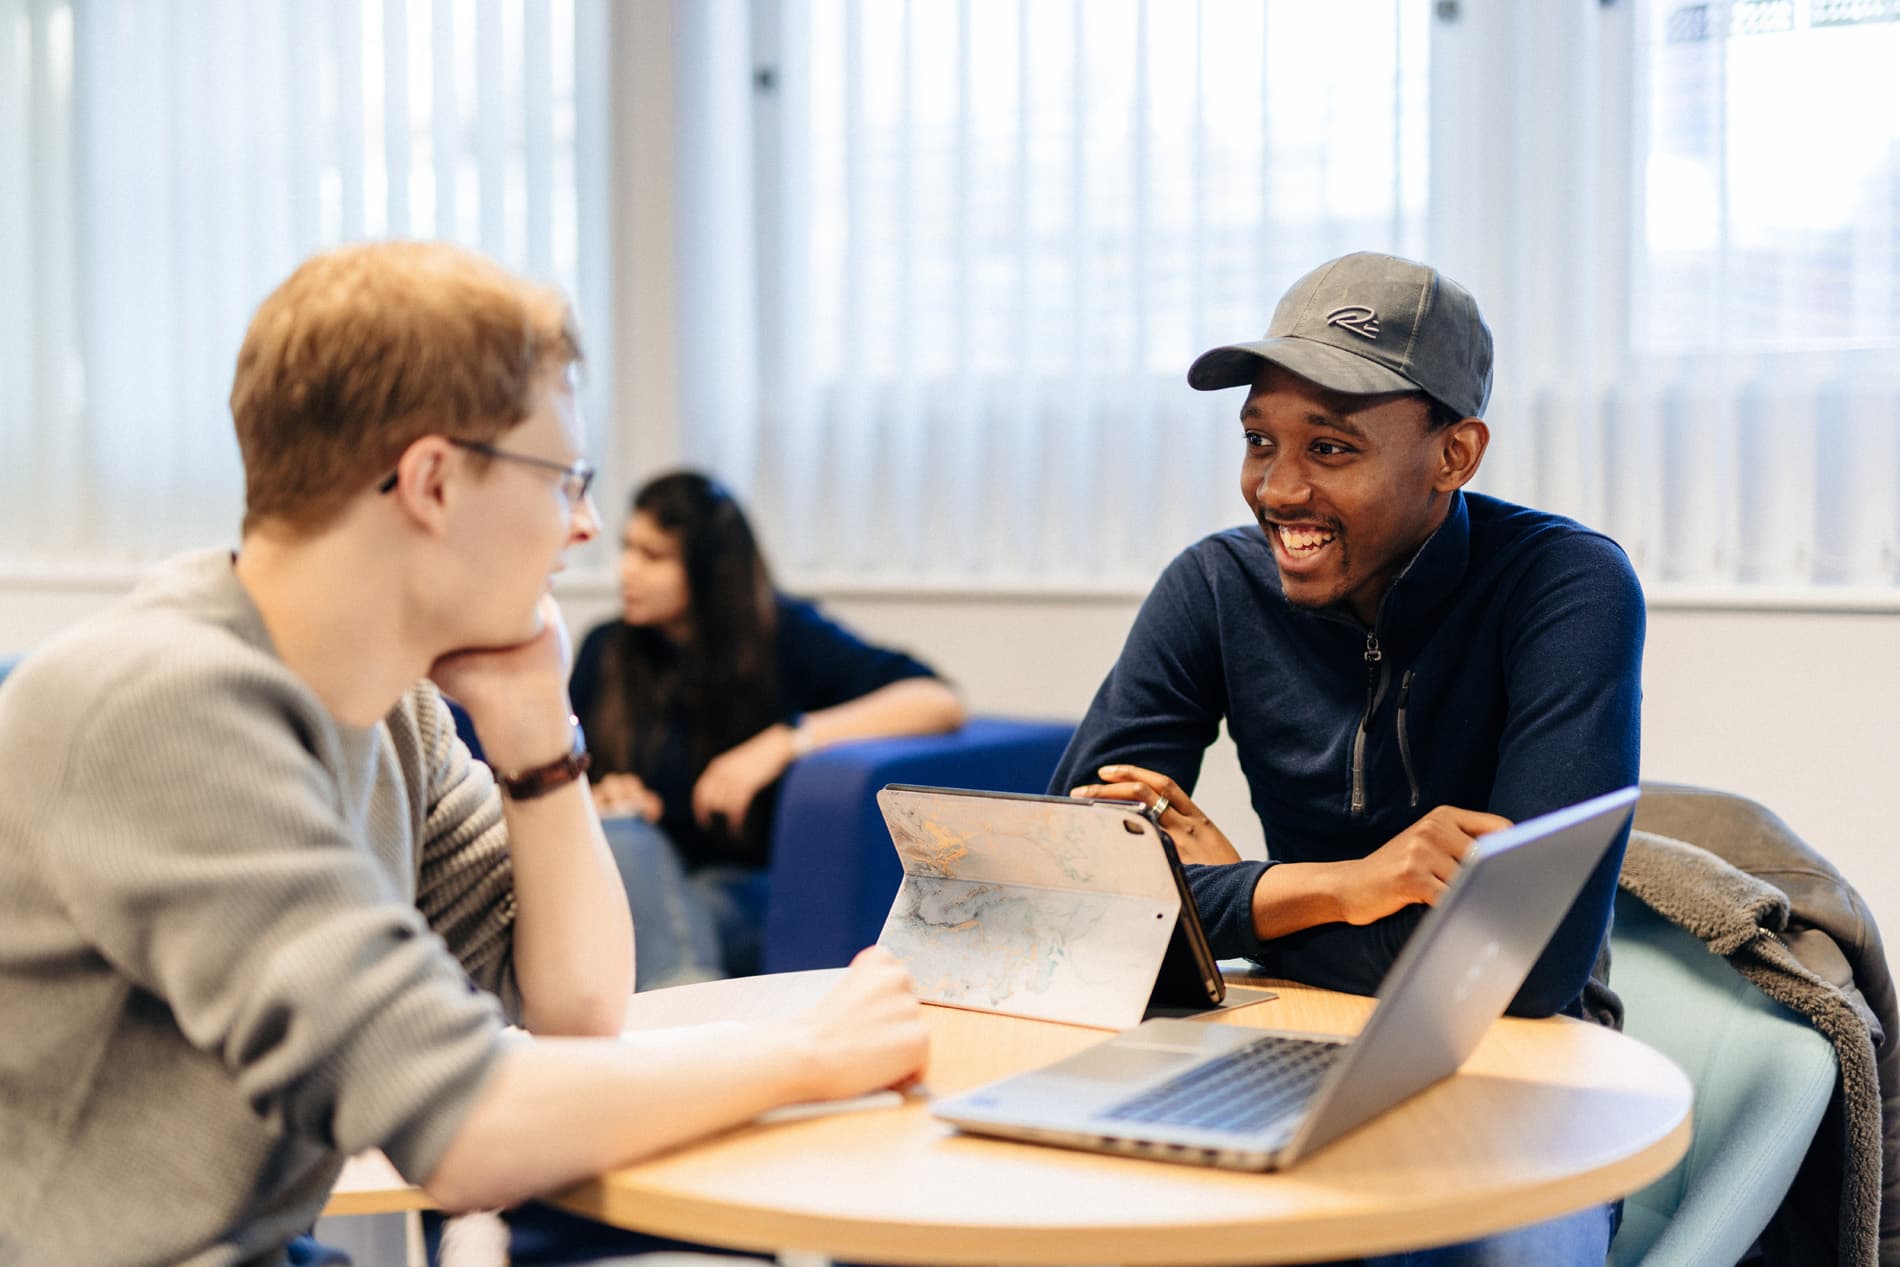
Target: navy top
(1503, 674)
(820, 664)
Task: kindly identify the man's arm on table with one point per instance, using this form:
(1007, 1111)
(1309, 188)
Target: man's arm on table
(554, 1111)
(551, 1111)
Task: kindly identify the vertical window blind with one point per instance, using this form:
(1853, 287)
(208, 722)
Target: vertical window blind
(1766, 306)
(163, 166)
(937, 289)
(994, 235)
(1001, 232)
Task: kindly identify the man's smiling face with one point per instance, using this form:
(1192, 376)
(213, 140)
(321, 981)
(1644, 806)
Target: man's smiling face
(1347, 487)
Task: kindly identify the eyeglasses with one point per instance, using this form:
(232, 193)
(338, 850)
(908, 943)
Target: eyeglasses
(575, 479)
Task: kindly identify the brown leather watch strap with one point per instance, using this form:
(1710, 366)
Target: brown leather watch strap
(525, 785)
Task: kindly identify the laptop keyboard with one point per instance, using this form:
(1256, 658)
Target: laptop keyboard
(1241, 1091)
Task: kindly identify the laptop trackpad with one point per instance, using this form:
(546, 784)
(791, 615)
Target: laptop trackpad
(1117, 1063)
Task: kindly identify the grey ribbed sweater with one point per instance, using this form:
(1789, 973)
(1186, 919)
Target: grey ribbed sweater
(217, 969)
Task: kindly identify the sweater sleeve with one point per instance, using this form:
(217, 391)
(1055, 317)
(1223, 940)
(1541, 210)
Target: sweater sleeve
(465, 874)
(197, 836)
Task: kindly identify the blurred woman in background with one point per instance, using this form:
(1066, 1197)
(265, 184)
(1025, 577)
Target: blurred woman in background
(695, 702)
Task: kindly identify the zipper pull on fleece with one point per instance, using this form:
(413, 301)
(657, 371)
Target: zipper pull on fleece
(1373, 656)
(1405, 743)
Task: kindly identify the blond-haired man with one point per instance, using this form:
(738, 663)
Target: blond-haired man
(251, 876)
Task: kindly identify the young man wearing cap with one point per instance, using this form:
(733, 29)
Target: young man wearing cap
(1403, 666)
(252, 880)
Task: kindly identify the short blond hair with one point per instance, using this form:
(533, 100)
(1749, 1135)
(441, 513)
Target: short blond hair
(366, 349)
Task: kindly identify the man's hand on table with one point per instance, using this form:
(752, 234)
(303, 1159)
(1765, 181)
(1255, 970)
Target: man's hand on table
(867, 1034)
(1410, 869)
(1415, 865)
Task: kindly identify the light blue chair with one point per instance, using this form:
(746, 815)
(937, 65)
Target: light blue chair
(1763, 1078)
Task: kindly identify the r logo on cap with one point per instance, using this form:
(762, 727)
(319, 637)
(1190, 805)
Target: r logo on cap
(1368, 324)
(1358, 318)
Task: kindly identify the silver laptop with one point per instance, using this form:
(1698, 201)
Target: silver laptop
(1224, 1095)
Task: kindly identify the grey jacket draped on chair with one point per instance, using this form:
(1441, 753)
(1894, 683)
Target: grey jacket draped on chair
(1762, 898)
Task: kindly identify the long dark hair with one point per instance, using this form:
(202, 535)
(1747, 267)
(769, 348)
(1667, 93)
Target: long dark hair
(722, 684)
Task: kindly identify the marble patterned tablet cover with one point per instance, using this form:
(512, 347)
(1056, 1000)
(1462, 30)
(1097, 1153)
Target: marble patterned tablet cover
(1035, 907)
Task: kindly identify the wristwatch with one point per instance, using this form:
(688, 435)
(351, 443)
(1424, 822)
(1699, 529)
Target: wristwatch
(525, 785)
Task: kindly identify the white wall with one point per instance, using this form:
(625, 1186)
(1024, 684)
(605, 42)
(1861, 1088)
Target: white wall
(1798, 709)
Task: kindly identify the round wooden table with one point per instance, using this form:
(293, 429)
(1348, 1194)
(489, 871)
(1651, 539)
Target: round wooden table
(1546, 1117)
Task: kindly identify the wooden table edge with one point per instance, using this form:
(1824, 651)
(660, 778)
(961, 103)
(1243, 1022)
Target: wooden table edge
(369, 1184)
(1409, 1225)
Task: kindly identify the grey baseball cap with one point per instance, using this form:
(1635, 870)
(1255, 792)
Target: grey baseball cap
(1365, 324)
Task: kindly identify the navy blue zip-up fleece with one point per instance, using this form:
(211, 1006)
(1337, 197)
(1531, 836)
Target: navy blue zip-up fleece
(1503, 674)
